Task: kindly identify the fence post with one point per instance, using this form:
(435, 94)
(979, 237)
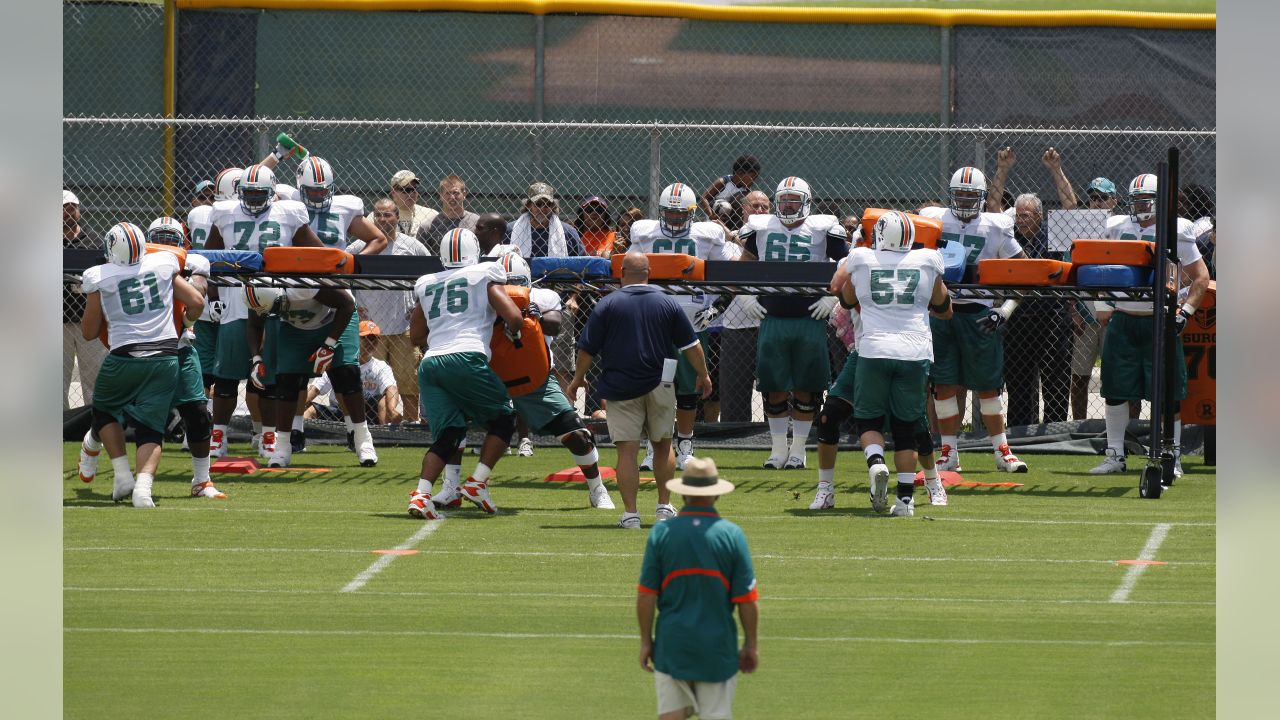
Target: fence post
(170, 97)
(944, 103)
(655, 170)
(539, 90)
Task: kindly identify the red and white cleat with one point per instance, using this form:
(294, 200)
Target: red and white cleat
(477, 493)
(1006, 461)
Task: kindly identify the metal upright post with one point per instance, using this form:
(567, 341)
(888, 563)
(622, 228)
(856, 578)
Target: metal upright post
(539, 90)
(655, 169)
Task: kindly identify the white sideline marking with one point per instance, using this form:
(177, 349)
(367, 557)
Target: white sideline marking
(210, 507)
(620, 555)
(629, 637)
(629, 597)
(1158, 534)
(383, 561)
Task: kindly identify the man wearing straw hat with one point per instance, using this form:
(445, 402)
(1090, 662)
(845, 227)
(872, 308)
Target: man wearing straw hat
(696, 569)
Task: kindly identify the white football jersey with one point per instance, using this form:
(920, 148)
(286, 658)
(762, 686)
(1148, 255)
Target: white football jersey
(331, 225)
(820, 238)
(196, 265)
(893, 291)
(137, 300)
(987, 236)
(276, 226)
(1124, 227)
(287, 192)
(199, 220)
(456, 305)
(547, 300)
(303, 311)
(704, 240)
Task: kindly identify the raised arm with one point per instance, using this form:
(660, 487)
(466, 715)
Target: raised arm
(1052, 160)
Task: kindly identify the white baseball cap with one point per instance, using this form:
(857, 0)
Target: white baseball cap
(69, 197)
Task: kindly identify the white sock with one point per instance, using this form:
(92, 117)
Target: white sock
(952, 440)
(1117, 421)
(362, 432)
(481, 473)
(200, 470)
(346, 420)
(452, 475)
(906, 478)
(223, 429)
(424, 486)
(873, 450)
(91, 443)
(257, 427)
(931, 473)
(998, 440)
(826, 477)
(648, 447)
(121, 466)
(778, 434)
(799, 434)
(142, 488)
(298, 423)
(1177, 436)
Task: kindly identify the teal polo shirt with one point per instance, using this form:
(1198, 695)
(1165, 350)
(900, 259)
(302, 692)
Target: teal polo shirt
(698, 565)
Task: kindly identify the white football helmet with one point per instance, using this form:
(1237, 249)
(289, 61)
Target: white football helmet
(675, 208)
(257, 189)
(315, 181)
(125, 244)
(518, 272)
(894, 232)
(1142, 198)
(168, 231)
(971, 182)
(795, 193)
(459, 248)
(226, 183)
(264, 300)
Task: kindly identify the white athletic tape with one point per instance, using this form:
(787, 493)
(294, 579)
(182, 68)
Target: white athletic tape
(992, 405)
(947, 408)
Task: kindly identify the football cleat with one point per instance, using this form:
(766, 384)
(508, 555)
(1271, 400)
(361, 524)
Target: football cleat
(450, 496)
(267, 445)
(207, 490)
(879, 476)
(600, 498)
(526, 447)
(629, 521)
(297, 441)
(684, 451)
(367, 455)
(937, 493)
(421, 506)
(1112, 463)
(281, 457)
(664, 512)
(217, 444)
(142, 494)
(121, 488)
(825, 498)
(1177, 465)
(477, 493)
(1006, 461)
(949, 458)
(647, 462)
(903, 508)
(774, 463)
(88, 463)
(795, 462)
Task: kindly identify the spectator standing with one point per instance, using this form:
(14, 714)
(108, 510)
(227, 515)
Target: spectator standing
(740, 334)
(1037, 344)
(637, 328)
(405, 188)
(539, 232)
(1089, 319)
(389, 309)
(746, 169)
(625, 220)
(696, 569)
(76, 350)
(453, 214)
(593, 224)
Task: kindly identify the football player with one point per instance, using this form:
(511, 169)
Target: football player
(134, 292)
(454, 319)
(335, 217)
(198, 223)
(1126, 347)
(968, 348)
(675, 231)
(254, 221)
(896, 288)
(792, 362)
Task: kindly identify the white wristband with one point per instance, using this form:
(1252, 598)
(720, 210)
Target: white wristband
(257, 358)
(1188, 309)
(330, 343)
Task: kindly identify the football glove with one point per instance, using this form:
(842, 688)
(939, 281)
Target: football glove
(322, 358)
(258, 373)
(992, 321)
(821, 310)
(512, 335)
(752, 308)
(705, 317)
(1180, 319)
(216, 308)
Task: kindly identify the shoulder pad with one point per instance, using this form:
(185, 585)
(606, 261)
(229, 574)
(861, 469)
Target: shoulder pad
(349, 202)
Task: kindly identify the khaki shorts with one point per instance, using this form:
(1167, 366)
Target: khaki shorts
(398, 352)
(710, 701)
(1085, 349)
(652, 415)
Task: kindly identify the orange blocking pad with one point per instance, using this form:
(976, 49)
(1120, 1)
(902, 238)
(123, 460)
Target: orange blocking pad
(928, 230)
(234, 466)
(1138, 253)
(1023, 271)
(574, 474)
(953, 479)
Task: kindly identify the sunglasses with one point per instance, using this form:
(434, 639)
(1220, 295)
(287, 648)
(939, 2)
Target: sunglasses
(1098, 198)
(543, 204)
(409, 189)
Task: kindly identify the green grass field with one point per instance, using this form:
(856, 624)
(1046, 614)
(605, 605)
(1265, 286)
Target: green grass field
(996, 606)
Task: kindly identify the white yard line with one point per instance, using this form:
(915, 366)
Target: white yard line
(628, 637)
(1158, 534)
(383, 561)
(628, 598)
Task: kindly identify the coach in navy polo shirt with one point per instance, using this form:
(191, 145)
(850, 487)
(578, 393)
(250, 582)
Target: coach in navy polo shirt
(638, 330)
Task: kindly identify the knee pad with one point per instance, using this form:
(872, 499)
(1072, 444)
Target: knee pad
(226, 387)
(687, 402)
(445, 443)
(774, 409)
(566, 423)
(924, 442)
(903, 432)
(866, 425)
(991, 406)
(99, 419)
(834, 412)
(502, 427)
(195, 415)
(345, 379)
(251, 389)
(147, 436)
(947, 408)
(807, 406)
(582, 444)
(287, 386)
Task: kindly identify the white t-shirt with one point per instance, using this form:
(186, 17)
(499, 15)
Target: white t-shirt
(893, 292)
(389, 308)
(137, 300)
(375, 376)
(1124, 227)
(331, 225)
(456, 305)
(275, 226)
(410, 221)
(987, 236)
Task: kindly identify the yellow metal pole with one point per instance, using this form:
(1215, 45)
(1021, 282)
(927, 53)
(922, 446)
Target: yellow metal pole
(170, 97)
